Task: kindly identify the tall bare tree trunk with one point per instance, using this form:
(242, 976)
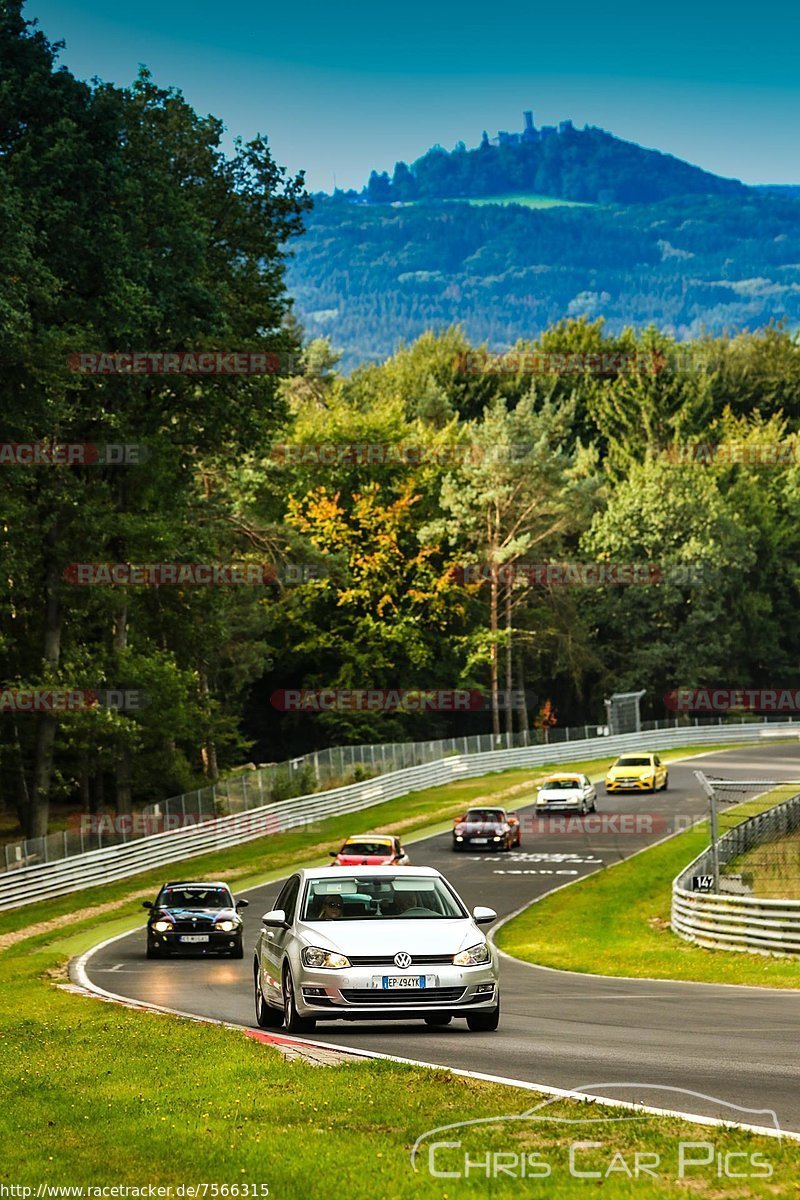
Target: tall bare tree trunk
(493, 662)
(123, 771)
(509, 669)
(98, 798)
(523, 707)
(39, 812)
(21, 795)
(85, 789)
(208, 751)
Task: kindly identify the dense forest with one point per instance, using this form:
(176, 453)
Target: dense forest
(373, 276)
(308, 528)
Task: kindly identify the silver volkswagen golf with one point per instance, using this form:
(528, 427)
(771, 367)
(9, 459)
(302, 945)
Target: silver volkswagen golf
(368, 943)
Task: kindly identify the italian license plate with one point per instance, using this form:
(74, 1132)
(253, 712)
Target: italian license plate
(393, 982)
(480, 841)
(194, 937)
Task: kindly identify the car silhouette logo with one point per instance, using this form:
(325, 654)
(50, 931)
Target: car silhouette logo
(402, 960)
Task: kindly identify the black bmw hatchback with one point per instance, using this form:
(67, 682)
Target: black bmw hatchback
(194, 918)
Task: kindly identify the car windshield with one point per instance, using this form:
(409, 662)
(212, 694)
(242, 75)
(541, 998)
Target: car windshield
(633, 762)
(195, 897)
(562, 785)
(484, 814)
(367, 848)
(350, 898)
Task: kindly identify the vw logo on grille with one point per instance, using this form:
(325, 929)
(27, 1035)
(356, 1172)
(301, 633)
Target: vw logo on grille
(402, 960)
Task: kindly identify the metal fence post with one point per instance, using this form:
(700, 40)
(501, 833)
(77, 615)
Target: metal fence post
(710, 791)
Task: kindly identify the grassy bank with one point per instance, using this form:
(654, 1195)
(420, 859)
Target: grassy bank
(772, 870)
(616, 922)
(101, 1095)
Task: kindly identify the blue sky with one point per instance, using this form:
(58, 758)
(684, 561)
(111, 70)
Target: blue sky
(341, 88)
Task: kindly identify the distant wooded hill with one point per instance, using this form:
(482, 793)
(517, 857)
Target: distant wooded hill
(658, 242)
(588, 165)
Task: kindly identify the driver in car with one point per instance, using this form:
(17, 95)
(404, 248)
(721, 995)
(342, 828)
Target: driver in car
(404, 901)
(331, 908)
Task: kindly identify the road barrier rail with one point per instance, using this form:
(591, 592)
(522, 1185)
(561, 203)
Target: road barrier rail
(725, 920)
(29, 883)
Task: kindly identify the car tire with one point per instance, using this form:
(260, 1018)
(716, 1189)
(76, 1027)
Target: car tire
(484, 1022)
(666, 783)
(584, 809)
(292, 1020)
(266, 1016)
(237, 951)
(152, 952)
(437, 1019)
(593, 807)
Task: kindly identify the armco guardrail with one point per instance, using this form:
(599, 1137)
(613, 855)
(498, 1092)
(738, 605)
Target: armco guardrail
(28, 884)
(727, 921)
(321, 770)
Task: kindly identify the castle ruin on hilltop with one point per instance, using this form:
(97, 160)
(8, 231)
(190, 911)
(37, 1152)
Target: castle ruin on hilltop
(529, 134)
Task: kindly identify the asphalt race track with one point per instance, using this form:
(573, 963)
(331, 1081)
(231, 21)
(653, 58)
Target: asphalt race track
(632, 1039)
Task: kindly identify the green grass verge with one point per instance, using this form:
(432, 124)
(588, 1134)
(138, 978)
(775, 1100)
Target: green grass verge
(99, 1095)
(616, 922)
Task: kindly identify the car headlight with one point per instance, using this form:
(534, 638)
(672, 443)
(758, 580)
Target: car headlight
(162, 926)
(473, 956)
(226, 926)
(315, 956)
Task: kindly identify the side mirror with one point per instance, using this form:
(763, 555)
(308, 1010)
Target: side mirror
(483, 916)
(333, 853)
(147, 904)
(275, 919)
(242, 904)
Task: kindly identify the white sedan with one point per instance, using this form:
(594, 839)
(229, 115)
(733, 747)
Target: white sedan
(367, 943)
(570, 792)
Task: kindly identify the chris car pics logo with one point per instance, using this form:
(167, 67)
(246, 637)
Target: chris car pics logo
(585, 1148)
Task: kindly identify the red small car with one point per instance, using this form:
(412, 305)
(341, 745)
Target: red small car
(371, 850)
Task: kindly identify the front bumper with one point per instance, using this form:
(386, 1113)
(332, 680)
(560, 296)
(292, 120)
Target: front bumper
(630, 785)
(479, 841)
(351, 994)
(573, 803)
(218, 941)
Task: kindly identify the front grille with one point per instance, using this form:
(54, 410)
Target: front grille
(387, 960)
(400, 996)
(193, 926)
